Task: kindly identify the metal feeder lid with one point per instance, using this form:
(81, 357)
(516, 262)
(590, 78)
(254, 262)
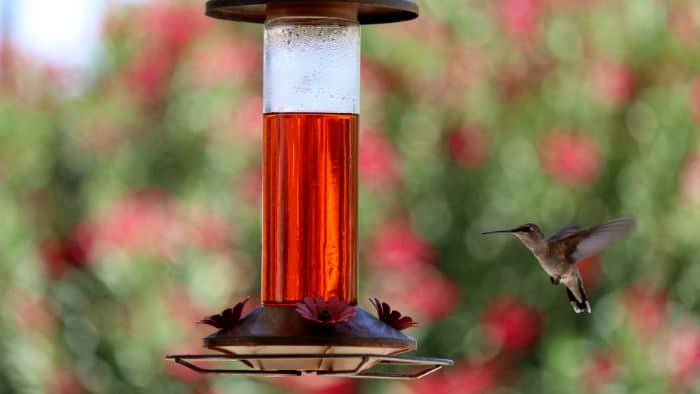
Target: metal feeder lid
(368, 11)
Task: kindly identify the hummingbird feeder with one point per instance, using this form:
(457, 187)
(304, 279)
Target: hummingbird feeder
(308, 321)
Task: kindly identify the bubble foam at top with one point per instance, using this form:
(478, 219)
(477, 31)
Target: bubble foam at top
(312, 65)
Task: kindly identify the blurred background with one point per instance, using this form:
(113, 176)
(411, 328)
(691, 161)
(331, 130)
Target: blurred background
(130, 187)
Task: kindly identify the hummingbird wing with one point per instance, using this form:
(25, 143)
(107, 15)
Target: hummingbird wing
(588, 242)
(564, 232)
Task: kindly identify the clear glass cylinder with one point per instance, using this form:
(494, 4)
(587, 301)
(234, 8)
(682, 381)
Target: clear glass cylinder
(311, 104)
(311, 64)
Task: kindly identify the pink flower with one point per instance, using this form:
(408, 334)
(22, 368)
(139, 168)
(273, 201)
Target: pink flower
(376, 76)
(512, 325)
(378, 161)
(645, 309)
(396, 245)
(31, 312)
(683, 352)
(465, 378)
(247, 120)
(419, 289)
(468, 146)
(614, 83)
(392, 318)
(571, 159)
(148, 75)
(600, 370)
(251, 185)
(211, 232)
(62, 380)
(694, 99)
(521, 18)
(60, 254)
(171, 24)
(313, 384)
(145, 222)
(690, 179)
(325, 312)
(682, 22)
(226, 59)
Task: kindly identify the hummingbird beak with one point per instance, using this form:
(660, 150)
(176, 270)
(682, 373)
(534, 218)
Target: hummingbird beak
(501, 231)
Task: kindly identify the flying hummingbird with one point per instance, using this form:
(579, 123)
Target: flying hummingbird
(559, 253)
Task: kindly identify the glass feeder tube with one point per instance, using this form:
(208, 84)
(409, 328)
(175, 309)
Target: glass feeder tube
(311, 91)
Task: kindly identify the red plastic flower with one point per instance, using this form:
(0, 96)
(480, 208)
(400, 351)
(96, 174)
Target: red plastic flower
(392, 318)
(227, 318)
(330, 312)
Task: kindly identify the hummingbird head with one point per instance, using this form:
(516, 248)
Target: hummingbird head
(529, 233)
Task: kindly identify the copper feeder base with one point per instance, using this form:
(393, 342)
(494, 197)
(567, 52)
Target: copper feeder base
(276, 340)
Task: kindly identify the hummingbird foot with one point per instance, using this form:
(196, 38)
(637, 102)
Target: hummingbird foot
(555, 280)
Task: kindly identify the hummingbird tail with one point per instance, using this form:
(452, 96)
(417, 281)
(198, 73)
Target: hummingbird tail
(579, 306)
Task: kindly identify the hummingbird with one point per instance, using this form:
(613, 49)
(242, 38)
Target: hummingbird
(559, 253)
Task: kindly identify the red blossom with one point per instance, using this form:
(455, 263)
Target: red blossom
(376, 76)
(422, 289)
(521, 18)
(325, 312)
(246, 119)
(225, 59)
(250, 185)
(600, 370)
(396, 245)
(392, 318)
(227, 318)
(171, 24)
(312, 384)
(150, 222)
(512, 325)
(690, 180)
(31, 312)
(211, 232)
(682, 22)
(60, 254)
(614, 83)
(645, 308)
(694, 99)
(468, 146)
(466, 378)
(378, 162)
(148, 74)
(145, 222)
(62, 380)
(683, 353)
(571, 159)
